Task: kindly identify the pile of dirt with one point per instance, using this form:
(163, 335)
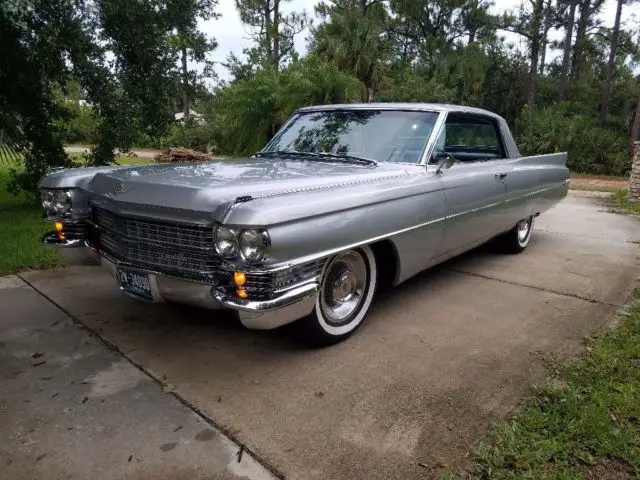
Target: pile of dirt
(171, 155)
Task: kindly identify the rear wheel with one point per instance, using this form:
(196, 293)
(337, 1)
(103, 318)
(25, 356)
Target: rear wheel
(517, 239)
(347, 287)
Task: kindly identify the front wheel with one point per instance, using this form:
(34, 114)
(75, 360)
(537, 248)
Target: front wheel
(517, 239)
(347, 286)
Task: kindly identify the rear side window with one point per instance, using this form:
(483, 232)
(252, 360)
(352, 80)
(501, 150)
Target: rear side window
(470, 139)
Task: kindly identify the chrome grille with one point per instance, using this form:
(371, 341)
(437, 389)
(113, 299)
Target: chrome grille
(261, 286)
(155, 231)
(161, 245)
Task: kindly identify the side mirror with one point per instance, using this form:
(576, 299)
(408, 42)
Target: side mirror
(445, 160)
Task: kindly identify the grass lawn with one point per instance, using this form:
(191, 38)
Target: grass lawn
(127, 160)
(582, 423)
(588, 176)
(596, 188)
(621, 204)
(22, 225)
(21, 228)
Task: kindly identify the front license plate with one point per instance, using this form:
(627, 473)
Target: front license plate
(136, 283)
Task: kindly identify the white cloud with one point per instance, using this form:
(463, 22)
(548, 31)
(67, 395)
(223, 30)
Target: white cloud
(232, 36)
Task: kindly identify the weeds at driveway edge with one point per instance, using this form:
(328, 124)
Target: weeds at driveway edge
(582, 421)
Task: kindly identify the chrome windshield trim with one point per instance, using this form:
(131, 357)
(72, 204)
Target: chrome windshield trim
(428, 146)
(431, 143)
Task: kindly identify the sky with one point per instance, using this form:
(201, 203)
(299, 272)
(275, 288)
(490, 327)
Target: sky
(232, 36)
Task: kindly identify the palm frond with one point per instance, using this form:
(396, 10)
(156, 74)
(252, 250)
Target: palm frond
(12, 150)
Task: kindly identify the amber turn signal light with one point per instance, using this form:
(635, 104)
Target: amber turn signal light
(239, 278)
(59, 227)
(242, 293)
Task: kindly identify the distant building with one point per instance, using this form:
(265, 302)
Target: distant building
(197, 117)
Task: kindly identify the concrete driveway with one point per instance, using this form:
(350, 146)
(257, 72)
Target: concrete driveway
(440, 358)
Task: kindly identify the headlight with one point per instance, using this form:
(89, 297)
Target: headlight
(48, 201)
(56, 203)
(226, 242)
(253, 244)
(62, 202)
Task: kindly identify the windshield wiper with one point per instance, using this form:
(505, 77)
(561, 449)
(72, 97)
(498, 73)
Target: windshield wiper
(318, 155)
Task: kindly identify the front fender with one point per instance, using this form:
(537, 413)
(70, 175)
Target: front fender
(317, 224)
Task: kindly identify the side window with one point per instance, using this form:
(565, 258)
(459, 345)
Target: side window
(470, 139)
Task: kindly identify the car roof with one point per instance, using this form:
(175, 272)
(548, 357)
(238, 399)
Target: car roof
(430, 107)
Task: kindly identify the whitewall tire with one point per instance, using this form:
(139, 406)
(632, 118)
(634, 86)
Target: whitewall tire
(517, 239)
(347, 287)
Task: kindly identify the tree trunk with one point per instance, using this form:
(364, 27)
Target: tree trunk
(536, 20)
(566, 57)
(472, 35)
(581, 40)
(545, 34)
(606, 89)
(635, 126)
(276, 34)
(185, 83)
(369, 94)
(268, 28)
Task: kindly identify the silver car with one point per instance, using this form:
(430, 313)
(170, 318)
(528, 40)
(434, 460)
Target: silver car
(344, 199)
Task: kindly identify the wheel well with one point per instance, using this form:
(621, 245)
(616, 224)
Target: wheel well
(386, 261)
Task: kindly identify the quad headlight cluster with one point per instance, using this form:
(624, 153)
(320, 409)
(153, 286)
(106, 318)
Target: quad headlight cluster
(250, 244)
(56, 203)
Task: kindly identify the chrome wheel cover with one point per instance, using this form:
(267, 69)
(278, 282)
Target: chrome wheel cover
(524, 227)
(344, 287)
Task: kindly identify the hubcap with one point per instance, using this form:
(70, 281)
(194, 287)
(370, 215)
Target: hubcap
(523, 229)
(343, 287)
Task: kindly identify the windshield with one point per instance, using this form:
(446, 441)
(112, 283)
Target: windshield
(380, 135)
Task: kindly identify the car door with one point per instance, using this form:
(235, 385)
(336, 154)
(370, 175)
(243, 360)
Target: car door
(475, 184)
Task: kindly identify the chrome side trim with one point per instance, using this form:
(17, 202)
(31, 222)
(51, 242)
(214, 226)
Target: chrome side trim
(474, 210)
(312, 189)
(537, 192)
(326, 253)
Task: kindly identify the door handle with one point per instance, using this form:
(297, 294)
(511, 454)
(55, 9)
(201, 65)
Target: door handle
(500, 175)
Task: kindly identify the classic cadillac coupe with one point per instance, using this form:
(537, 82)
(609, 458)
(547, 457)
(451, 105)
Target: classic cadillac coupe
(344, 199)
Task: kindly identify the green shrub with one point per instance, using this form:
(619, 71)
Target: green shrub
(247, 113)
(191, 134)
(80, 126)
(591, 149)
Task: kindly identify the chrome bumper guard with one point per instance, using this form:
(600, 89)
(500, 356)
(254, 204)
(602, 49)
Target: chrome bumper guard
(72, 249)
(290, 305)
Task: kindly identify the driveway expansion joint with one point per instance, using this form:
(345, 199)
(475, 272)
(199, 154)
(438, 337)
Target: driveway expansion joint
(588, 237)
(242, 448)
(536, 287)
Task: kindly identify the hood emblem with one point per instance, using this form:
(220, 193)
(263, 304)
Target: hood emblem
(119, 188)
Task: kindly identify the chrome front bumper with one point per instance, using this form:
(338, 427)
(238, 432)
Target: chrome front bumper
(295, 303)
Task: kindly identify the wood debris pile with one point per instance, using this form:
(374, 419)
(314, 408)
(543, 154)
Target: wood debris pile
(172, 155)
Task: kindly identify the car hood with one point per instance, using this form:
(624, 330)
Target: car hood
(214, 186)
